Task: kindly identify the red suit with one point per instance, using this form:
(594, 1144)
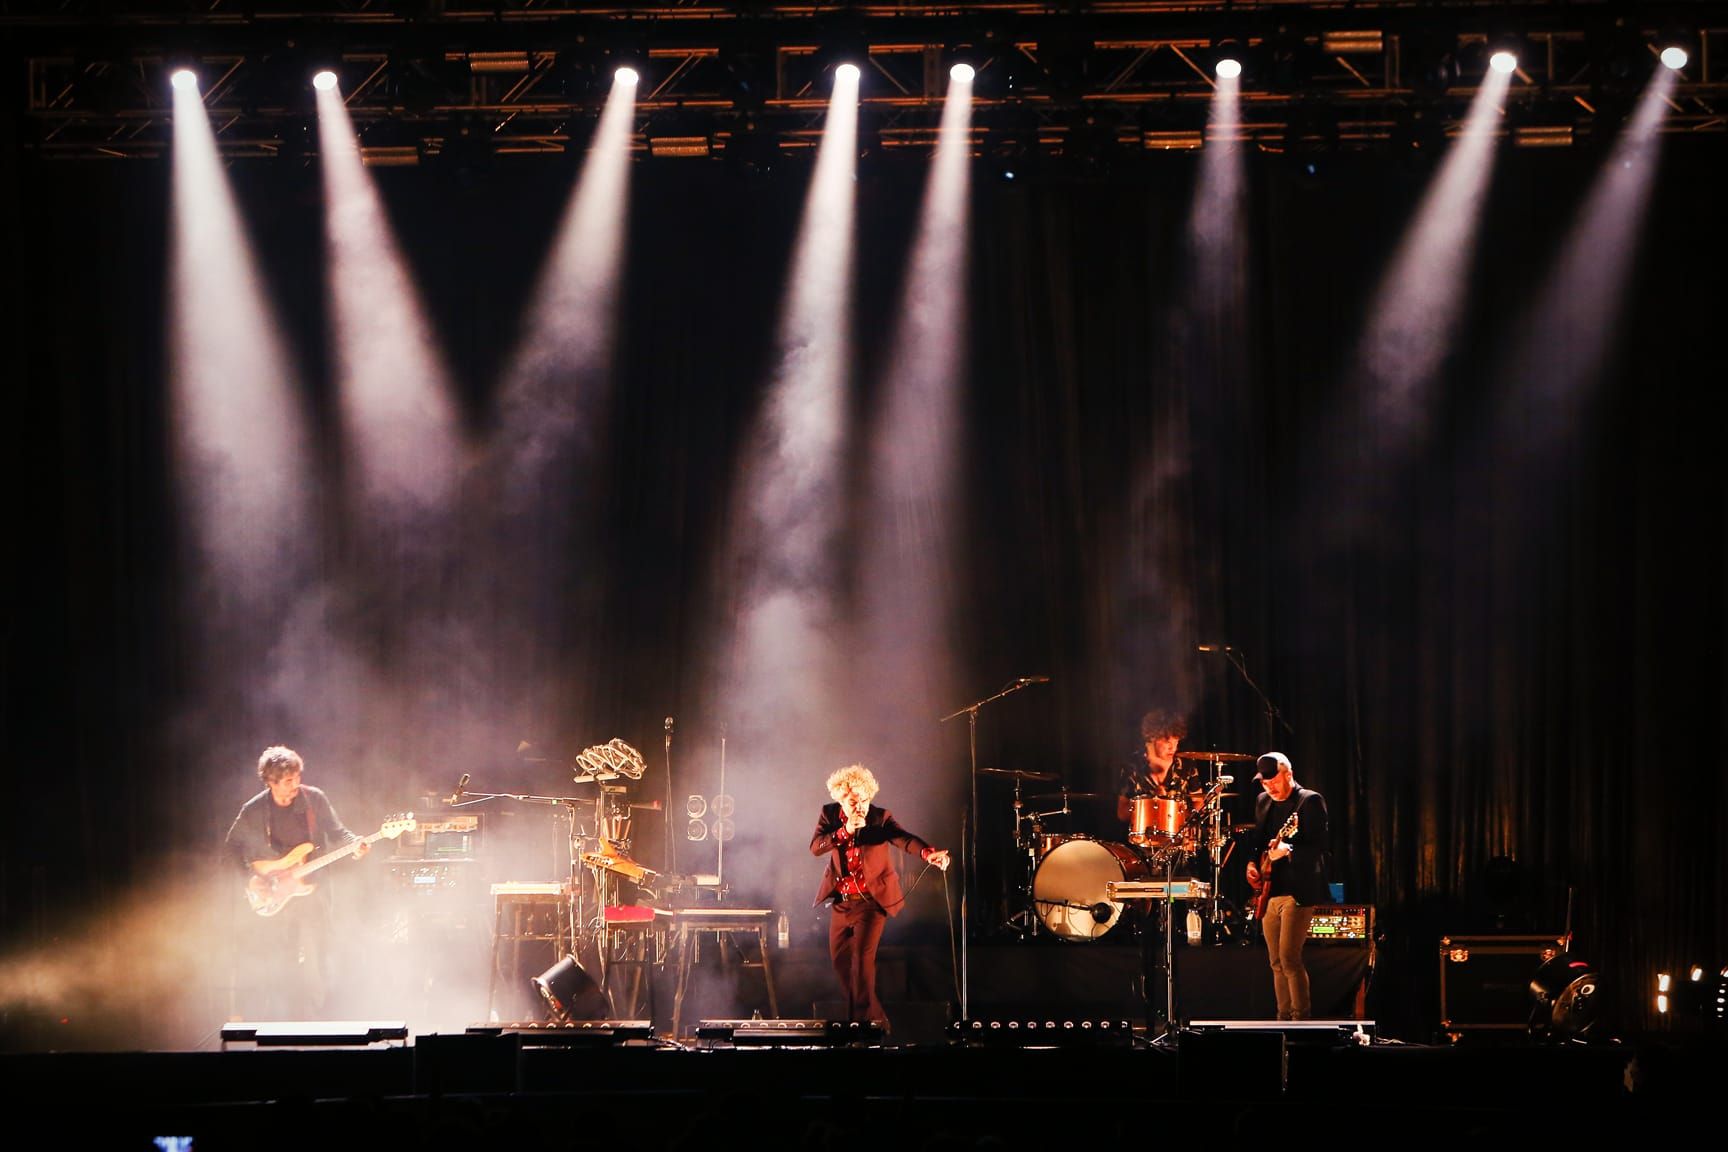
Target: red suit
(863, 898)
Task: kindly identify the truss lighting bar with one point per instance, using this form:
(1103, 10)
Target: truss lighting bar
(1352, 43)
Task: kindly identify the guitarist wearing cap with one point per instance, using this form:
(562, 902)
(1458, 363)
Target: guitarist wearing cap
(1287, 870)
(291, 937)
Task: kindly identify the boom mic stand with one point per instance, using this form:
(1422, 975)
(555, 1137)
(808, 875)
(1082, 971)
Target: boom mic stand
(969, 858)
(1274, 718)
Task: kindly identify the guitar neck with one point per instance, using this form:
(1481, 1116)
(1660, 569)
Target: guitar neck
(336, 854)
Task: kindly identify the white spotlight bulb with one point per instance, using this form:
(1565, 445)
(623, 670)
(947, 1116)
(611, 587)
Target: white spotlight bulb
(1503, 62)
(184, 79)
(848, 73)
(625, 76)
(324, 80)
(1674, 57)
(1229, 69)
(961, 73)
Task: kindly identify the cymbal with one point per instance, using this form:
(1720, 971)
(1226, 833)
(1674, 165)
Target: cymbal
(1227, 756)
(1018, 774)
(1067, 796)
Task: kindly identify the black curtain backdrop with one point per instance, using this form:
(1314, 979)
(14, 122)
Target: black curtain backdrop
(1478, 652)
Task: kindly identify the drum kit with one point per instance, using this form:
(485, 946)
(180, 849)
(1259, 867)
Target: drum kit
(1067, 889)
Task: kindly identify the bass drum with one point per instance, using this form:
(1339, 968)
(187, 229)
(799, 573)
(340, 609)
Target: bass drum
(1069, 892)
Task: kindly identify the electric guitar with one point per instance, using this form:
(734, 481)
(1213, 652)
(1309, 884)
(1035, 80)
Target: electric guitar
(269, 891)
(1263, 890)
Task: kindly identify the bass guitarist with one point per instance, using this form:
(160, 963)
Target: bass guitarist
(1287, 870)
(287, 955)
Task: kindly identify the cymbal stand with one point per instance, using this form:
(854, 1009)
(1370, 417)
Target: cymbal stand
(1215, 837)
(1025, 918)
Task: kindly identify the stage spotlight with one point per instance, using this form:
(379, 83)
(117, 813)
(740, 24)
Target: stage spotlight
(1674, 48)
(695, 807)
(961, 73)
(1568, 998)
(848, 73)
(184, 79)
(1504, 50)
(1229, 68)
(626, 76)
(570, 993)
(696, 831)
(324, 80)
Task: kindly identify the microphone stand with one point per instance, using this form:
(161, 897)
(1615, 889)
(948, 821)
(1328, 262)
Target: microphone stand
(969, 830)
(1274, 718)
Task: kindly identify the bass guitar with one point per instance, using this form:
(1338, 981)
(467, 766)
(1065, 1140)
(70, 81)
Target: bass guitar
(1263, 890)
(269, 891)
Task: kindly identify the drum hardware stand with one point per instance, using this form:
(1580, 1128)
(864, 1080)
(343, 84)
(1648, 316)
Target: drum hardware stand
(969, 859)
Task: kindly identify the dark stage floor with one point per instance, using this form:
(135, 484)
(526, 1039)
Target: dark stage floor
(547, 1089)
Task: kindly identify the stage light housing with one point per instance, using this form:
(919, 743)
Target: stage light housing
(1567, 993)
(569, 993)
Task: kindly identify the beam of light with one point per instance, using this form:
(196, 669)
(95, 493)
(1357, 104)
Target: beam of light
(553, 403)
(906, 568)
(572, 314)
(1570, 333)
(1206, 361)
(398, 411)
(242, 461)
(781, 685)
(1416, 308)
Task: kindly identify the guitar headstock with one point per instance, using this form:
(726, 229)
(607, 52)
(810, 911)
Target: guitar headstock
(397, 824)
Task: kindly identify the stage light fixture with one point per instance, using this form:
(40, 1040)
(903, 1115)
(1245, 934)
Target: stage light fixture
(1504, 50)
(569, 993)
(695, 806)
(848, 72)
(1352, 42)
(1043, 1032)
(626, 76)
(1568, 994)
(324, 80)
(1229, 68)
(184, 79)
(1673, 48)
(506, 63)
(962, 73)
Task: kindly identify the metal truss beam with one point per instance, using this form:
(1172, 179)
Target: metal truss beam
(430, 80)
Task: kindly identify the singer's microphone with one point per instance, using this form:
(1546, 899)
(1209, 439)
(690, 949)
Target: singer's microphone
(1213, 648)
(1034, 679)
(1226, 779)
(461, 785)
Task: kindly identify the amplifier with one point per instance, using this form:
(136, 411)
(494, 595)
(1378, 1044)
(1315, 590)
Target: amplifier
(1354, 922)
(452, 838)
(430, 875)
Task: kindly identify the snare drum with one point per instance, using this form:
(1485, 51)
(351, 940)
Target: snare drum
(1157, 821)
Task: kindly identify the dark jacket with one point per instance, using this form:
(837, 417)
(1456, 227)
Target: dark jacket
(1301, 874)
(262, 831)
(880, 831)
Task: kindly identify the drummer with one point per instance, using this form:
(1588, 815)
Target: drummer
(1156, 771)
